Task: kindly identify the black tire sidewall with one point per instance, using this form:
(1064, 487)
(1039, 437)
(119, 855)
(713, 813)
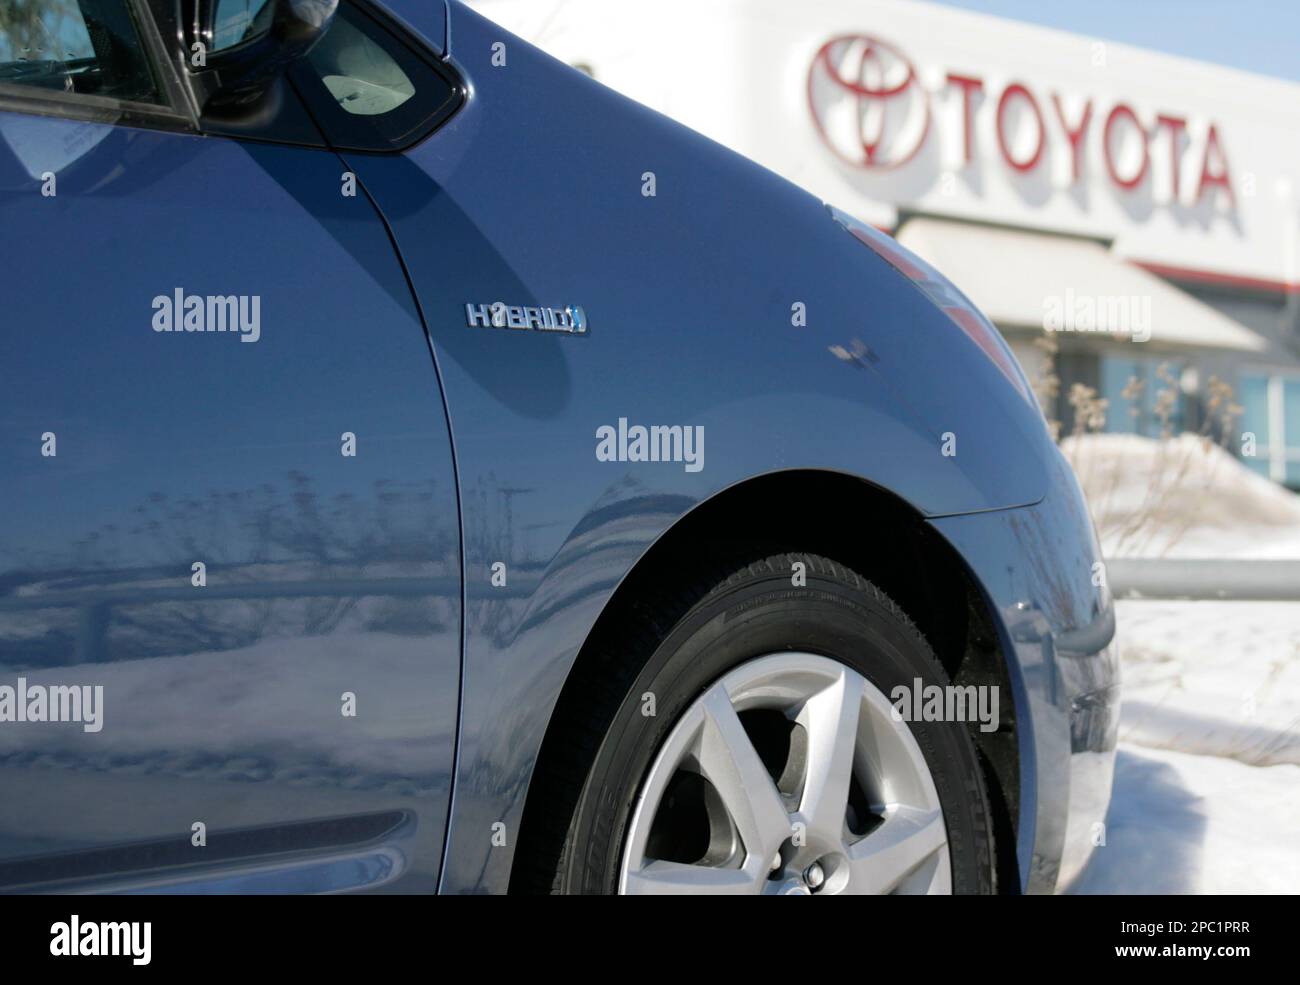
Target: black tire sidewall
(759, 614)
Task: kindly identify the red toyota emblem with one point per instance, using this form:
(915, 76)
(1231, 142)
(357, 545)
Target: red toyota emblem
(867, 102)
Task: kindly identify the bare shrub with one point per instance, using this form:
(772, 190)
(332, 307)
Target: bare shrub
(1138, 531)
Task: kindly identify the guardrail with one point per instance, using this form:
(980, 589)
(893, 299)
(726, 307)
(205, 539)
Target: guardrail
(1204, 579)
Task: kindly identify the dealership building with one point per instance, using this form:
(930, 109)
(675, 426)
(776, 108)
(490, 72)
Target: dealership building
(1141, 210)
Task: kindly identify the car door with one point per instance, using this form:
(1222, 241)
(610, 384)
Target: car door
(229, 543)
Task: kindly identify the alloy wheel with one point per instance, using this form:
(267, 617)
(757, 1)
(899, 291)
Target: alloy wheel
(791, 775)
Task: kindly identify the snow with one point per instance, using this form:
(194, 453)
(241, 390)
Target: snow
(1186, 497)
(1206, 796)
(1182, 823)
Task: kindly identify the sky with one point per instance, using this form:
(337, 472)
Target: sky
(1261, 36)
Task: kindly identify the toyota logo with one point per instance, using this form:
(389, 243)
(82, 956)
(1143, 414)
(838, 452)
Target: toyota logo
(867, 102)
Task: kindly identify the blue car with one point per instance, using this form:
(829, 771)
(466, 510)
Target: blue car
(424, 469)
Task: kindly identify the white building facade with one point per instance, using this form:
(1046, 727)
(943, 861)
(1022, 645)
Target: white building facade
(1143, 209)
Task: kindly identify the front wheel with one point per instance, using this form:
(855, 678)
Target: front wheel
(755, 750)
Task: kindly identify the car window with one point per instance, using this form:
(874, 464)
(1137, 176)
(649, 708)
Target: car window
(369, 90)
(238, 20)
(79, 47)
(363, 78)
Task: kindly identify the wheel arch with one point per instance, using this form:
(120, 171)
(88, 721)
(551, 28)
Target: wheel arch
(858, 524)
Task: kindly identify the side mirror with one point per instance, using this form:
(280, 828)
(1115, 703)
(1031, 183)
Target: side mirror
(237, 49)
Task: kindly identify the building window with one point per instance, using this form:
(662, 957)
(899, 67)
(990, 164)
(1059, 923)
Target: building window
(1144, 395)
(1271, 412)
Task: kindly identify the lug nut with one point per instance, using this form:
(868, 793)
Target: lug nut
(814, 876)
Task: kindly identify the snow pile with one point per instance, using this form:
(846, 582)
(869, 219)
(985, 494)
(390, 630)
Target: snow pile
(1181, 823)
(1206, 796)
(1185, 497)
(1207, 781)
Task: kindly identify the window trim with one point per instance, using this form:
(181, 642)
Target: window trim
(423, 52)
(178, 112)
(173, 113)
(1276, 451)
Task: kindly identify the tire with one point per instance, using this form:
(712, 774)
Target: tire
(645, 747)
